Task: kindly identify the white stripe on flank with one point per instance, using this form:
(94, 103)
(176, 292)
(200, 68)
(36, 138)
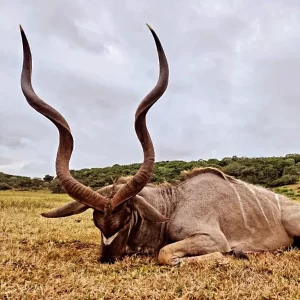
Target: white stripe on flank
(108, 241)
(240, 204)
(272, 210)
(257, 200)
(278, 201)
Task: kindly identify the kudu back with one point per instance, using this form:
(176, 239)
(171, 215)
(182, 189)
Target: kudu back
(208, 213)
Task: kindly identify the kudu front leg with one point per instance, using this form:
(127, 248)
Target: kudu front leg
(195, 248)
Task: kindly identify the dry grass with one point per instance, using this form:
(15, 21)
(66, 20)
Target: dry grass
(57, 259)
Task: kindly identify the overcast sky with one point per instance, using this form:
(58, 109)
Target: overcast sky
(234, 84)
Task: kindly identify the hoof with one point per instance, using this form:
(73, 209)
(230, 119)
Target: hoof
(238, 254)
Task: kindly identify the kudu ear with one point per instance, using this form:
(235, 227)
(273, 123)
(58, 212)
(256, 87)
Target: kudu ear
(147, 211)
(69, 209)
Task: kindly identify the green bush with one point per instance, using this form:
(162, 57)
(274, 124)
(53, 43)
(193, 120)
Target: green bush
(284, 180)
(290, 170)
(4, 186)
(55, 187)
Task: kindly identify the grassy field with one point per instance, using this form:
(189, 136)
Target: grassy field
(57, 259)
(291, 191)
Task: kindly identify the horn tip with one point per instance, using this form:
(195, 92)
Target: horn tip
(149, 27)
(21, 28)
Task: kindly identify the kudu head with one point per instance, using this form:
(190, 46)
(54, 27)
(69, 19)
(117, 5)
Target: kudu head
(115, 207)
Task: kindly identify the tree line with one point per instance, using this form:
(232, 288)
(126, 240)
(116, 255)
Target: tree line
(265, 171)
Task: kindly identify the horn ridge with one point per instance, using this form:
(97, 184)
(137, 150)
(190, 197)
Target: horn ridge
(142, 177)
(74, 188)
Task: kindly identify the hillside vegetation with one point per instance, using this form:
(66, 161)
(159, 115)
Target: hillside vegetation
(266, 171)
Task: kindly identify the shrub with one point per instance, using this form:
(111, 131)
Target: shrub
(55, 187)
(284, 180)
(4, 186)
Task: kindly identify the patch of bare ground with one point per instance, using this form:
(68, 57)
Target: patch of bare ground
(57, 259)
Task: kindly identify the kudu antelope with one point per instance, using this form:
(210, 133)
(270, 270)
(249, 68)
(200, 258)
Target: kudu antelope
(207, 213)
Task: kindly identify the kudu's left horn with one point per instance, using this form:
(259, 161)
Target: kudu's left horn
(75, 189)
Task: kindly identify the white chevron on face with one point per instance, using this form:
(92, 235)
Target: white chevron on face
(108, 241)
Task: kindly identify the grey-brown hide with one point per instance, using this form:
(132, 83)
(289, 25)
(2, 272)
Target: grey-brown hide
(209, 212)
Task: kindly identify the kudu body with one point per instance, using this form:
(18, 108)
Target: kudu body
(209, 212)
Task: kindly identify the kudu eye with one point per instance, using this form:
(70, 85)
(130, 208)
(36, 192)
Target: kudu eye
(122, 208)
(99, 212)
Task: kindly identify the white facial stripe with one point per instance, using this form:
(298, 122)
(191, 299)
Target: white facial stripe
(108, 241)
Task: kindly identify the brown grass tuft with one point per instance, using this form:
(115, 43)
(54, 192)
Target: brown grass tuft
(196, 171)
(123, 179)
(164, 184)
(57, 259)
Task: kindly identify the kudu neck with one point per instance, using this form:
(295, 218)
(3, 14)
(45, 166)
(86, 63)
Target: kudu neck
(163, 198)
(152, 236)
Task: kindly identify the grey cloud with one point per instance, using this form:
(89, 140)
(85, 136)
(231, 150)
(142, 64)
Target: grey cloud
(11, 142)
(90, 94)
(61, 20)
(6, 161)
(233, 86)
(32, 168)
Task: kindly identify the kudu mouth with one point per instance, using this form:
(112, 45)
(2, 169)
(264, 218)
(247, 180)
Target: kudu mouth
(111, 254)
(74, 188)
(106, 258)
(109, 261)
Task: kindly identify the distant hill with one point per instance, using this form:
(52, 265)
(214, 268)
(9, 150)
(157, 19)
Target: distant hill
(265, 171)
(8, 182)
